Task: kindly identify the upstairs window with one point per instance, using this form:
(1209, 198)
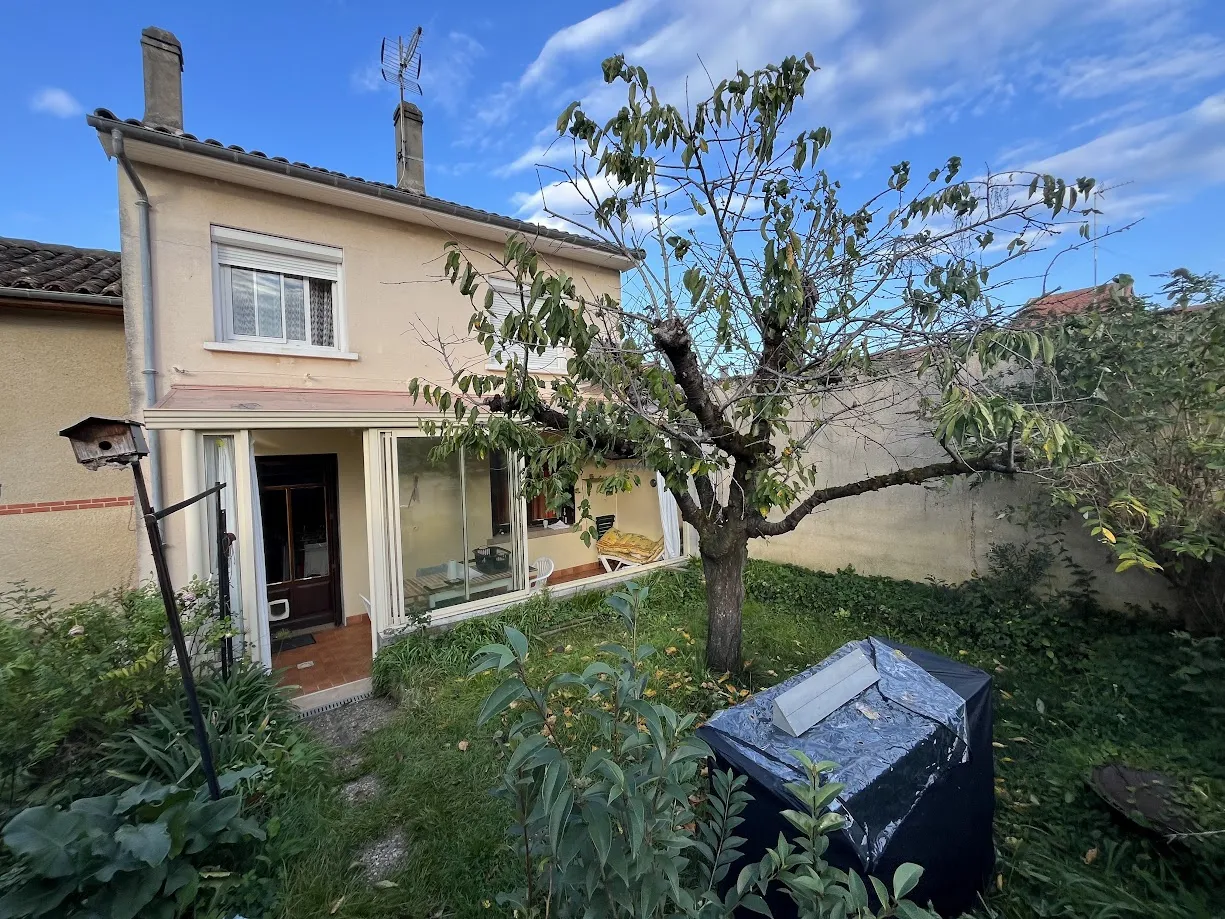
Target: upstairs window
(505, 301)
(277, 294)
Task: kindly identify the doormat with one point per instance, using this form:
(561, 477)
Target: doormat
(293, 641)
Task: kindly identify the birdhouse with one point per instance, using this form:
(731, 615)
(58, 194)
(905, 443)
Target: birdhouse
(101, 442)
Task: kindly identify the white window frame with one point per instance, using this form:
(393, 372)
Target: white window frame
(536, 363)
(279, 254)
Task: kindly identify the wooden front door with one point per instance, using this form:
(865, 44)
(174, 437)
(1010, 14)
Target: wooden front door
(301, 539)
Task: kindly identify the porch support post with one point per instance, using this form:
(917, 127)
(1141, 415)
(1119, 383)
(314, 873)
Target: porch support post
(193, 521)
(254, 618)
(376, 535)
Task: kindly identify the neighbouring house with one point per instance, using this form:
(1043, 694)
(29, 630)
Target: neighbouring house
(945, 529)
(61, 319)
(272, 310)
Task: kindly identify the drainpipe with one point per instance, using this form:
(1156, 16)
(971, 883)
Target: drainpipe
(149, 372)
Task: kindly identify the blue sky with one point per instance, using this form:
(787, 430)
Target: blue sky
(1131, 92)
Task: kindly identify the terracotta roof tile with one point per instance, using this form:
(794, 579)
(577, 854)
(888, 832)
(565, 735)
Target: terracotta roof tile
(1069, 302)
(53, 268)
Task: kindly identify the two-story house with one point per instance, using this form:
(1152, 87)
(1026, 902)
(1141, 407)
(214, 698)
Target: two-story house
(272, 311)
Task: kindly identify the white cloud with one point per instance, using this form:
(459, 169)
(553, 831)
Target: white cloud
(560, 153)
(367, 79)
(447, 74)
(52, 100)
(1150, 163)
(891, 70)
(606, 26)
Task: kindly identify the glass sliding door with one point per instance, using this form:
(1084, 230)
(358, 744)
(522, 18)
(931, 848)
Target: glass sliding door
(456, 541)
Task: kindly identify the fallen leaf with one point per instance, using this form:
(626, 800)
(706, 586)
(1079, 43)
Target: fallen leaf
(671, 649)
(998, 745)
(999, 882)
(336, 906)
(463, 746)
(1091, 856)
(385, 885)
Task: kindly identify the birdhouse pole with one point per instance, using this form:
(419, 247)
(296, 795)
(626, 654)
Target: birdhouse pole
(176, 629)
(102, 442)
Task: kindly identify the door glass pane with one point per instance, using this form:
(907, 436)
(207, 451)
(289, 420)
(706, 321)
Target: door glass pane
(492, 569)
(268, 303)
(242, 299)
(274, 511)
(431, 527)
(308, 506)
(295, 309)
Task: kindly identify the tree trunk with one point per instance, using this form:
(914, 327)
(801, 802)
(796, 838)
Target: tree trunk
(724, 603)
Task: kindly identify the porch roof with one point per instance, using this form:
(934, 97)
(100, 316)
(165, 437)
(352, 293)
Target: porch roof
(193, 407)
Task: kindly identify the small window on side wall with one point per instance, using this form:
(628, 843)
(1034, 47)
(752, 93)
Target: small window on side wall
(277, 295)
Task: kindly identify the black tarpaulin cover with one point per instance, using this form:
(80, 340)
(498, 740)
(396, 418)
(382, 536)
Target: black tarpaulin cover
(914, 751)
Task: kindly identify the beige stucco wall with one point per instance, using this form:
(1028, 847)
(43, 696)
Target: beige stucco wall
(942, 530)
(393, 291)
(59, 367)
(393, 288)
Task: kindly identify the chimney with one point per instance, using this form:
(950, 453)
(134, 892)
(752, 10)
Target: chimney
(162, 56)
(410, 151)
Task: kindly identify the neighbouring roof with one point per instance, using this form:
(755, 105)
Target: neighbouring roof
(105, 121)
(48, 269)
(1070, 302)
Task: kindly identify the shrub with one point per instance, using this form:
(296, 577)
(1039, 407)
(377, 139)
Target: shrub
(70, 676)
(152, 851)
(250, 722)
(450, 650)
(612, 815)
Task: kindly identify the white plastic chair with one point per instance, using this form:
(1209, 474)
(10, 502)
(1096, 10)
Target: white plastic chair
(544, 568)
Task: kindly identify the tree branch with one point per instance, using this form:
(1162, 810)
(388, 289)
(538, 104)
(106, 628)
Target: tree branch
(559, 422)
(913, 476)
(672, 338)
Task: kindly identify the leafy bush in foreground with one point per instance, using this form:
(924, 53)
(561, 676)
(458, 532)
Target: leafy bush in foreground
(153, 852)
(635, 831)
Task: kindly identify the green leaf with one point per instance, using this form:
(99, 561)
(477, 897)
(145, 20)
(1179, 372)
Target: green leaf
(599, 826)
(35, 898)
(46, 836)
(905, 879)
(145, 842)
(131, 892)
(518, 642)
(910, 910)
(511, 690)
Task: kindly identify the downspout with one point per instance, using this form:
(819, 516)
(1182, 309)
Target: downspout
(149, 372)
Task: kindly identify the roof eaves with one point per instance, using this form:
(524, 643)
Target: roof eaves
(59, 296)
(105, 121)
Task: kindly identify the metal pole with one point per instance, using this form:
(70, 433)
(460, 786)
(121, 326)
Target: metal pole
(223, 590)
(176, 630)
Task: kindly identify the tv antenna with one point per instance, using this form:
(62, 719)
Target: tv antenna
(401, 65)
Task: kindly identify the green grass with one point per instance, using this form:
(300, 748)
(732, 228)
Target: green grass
(1073, 688)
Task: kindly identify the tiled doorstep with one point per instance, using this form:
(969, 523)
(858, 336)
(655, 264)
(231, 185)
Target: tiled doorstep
(333, 695)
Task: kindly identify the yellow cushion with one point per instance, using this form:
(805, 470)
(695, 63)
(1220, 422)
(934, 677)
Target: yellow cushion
(633, 547)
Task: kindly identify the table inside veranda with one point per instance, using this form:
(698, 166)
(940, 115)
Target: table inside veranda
(437, 588)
